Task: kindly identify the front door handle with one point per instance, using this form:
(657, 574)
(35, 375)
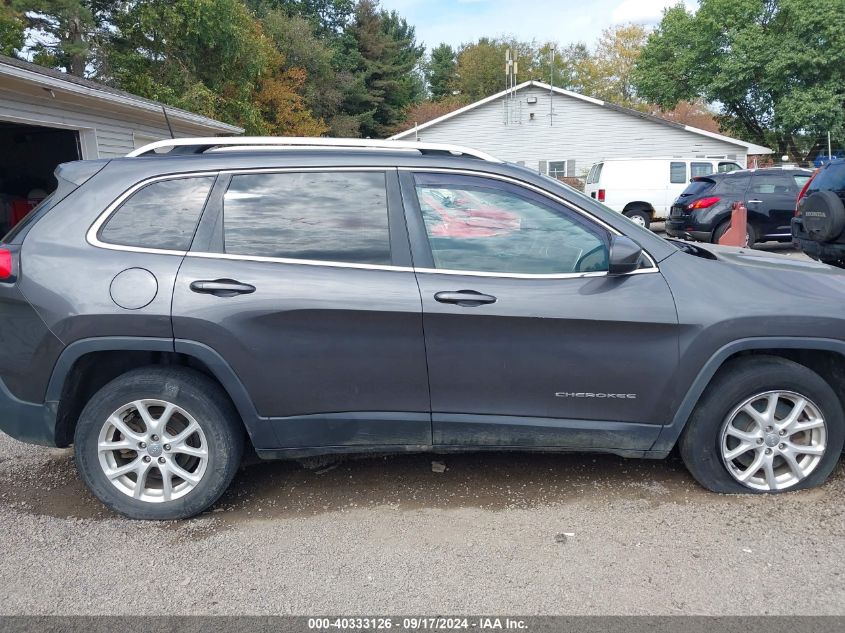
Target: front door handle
(222, 287)
(465, 298)
(754, 201)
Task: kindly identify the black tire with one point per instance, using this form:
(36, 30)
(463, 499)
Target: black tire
(639, 217)
(737, 381)
(197, 395)
(750, 232)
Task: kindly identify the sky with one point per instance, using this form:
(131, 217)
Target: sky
(563, 21)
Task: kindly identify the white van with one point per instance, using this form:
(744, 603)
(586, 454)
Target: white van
(644, 189)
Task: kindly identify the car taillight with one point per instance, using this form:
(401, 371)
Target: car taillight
(6, 264)
(703, 203)
(601, 195)
(804, 192)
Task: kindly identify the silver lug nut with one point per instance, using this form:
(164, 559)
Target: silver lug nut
(142, 445)
(783, 432)
(759, 440)
(155, 438)
(768, 451)
(769, 429)
(781, 446)
(161, 460)
(167, 447)
(147, 459)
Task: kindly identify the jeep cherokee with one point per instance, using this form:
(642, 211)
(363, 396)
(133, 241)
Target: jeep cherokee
(318, 296)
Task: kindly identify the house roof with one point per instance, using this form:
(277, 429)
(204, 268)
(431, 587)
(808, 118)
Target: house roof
(56, 79)
(750, 148)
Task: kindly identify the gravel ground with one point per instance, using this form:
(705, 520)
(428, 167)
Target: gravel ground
(494, 533)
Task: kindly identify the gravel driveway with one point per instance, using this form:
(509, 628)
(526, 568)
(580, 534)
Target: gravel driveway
(494, 533)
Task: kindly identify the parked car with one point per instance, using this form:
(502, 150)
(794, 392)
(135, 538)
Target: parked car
(824, 159)
(703, 211)
(643, 189)
(819, 223)
(319, 296)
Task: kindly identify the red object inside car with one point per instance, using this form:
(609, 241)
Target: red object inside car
(467, 216)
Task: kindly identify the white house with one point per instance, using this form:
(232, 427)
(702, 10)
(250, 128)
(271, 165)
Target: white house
(48, 117)
(562, 133)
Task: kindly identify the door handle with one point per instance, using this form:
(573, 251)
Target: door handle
(222, 287)
(465, 298)
(754, 201)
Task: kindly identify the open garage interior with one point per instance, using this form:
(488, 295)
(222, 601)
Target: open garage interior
(29, 157)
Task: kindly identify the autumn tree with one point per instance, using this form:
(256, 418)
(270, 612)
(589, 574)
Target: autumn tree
(572, 66)
(425, 111)
(611, 66)
(480, 69)
(775, 68)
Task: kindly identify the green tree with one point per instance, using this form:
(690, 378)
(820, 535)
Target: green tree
(612, 64)
(573, 69)
(328, 17)
(380, 65)
(776, 68)
(66, 31)
(12, 29)
(440, 71)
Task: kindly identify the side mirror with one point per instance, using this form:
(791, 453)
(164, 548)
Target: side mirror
(625, 255)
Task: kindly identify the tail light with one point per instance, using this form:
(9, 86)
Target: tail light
(601, 195)
(7, 266)
(804, 191)
(703, 203)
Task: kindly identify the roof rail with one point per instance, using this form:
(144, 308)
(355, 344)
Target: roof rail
(181, 146)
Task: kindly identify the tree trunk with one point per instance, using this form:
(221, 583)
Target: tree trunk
(77, 59)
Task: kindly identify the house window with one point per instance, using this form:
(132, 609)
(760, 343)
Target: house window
(561, 168)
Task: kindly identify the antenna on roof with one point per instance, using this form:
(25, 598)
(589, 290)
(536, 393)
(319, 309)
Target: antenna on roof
(167, 119)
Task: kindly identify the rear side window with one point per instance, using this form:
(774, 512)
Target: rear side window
(324, 216)
(595, 174)
(831, 178)
(677, 173)
(160, 215)
(733, 184)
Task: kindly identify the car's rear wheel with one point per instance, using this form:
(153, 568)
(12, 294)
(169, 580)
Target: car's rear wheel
(764, 424)
(159, 443)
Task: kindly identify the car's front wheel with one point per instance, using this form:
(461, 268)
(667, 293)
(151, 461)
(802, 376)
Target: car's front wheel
(764, 424)
(159, 443)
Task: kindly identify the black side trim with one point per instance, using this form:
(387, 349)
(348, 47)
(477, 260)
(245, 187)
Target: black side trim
(671, 432)
(25, 421)
(360, 429)
(549, 433)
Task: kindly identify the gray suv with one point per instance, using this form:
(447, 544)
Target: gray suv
(163, 310)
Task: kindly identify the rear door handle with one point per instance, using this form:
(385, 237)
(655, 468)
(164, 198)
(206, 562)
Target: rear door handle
(222, 287)
(465, 298)
(754, 201)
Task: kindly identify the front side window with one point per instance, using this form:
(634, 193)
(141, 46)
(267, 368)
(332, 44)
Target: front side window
(323, 216)
(483, 225)
(677, 173)
(162, 215)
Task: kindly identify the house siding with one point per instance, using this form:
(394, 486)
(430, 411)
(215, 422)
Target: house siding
(105, 129)
(580, 131)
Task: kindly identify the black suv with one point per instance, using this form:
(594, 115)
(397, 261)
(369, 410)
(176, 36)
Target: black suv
(162, 310)
(703, 211)
(818, 228)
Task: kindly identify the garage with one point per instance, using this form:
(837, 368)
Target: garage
(48, 117)
(27, 164)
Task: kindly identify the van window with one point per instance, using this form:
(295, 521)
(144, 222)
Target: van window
(323, 216)
(728, 167)
(677, 172)
(161, 215)
(700, 169)
(595, 174)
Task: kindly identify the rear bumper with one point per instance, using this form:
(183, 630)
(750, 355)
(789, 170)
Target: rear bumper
(26, 421)
(827, 252)
(679, 229)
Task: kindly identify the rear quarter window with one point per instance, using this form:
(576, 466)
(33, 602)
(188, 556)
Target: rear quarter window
(162, 215)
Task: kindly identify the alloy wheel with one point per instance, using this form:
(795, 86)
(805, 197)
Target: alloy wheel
(773, 440)
(153, 450)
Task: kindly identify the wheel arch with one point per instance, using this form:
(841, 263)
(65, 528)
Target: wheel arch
(88, 364)
(639, 205)
(824, 356)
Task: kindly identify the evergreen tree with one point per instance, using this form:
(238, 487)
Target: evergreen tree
(440, 71)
